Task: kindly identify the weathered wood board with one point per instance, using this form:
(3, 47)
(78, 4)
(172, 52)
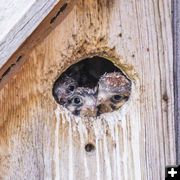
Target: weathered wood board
(176, 35)
(18, 19)
(54, 18)
(39, 140)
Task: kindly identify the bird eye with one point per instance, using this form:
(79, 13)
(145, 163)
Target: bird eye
(77, 100)
(71, 88)
(117, 98)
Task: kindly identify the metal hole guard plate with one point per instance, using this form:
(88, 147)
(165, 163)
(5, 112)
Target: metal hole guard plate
(172, 172)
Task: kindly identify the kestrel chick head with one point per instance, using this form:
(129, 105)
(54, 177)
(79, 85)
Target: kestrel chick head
(82, 102)
(64, 88)
(113, 91)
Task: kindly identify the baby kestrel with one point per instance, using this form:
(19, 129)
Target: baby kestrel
(64, 88)
(113, 91)
(82, 102)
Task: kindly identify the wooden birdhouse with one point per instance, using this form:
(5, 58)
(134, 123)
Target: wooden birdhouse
(53, 127)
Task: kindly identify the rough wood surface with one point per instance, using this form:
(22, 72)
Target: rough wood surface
(55, 17)
(18, 19)
(39, 140)
(176, 33)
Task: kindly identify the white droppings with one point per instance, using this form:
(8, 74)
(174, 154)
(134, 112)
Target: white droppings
(56, 145)
(71, 167)
(107, 159)
(118, 158)
(97, 136)
(83, 133)
(135, 144)
(114, 162)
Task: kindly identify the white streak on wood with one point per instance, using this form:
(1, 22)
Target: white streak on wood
(83, 133)
(118, 159)
(107, 159)
(135, 148)
(56, 146)
(71, 167)
(96, 131)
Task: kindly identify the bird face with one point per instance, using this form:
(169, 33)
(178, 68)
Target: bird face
(113, 91)
(82, 102)
(63, 89)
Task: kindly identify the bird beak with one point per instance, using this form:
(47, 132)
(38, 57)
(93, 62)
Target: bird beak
(90, 110)
(100, 101)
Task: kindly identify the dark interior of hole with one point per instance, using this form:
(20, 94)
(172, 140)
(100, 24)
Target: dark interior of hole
(89, 70)
(86, 73)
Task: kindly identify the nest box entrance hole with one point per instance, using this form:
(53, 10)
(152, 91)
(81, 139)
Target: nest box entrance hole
(91, 87)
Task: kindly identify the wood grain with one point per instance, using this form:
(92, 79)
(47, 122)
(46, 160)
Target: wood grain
(54, 18)
(45, 142)
(18, 19)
